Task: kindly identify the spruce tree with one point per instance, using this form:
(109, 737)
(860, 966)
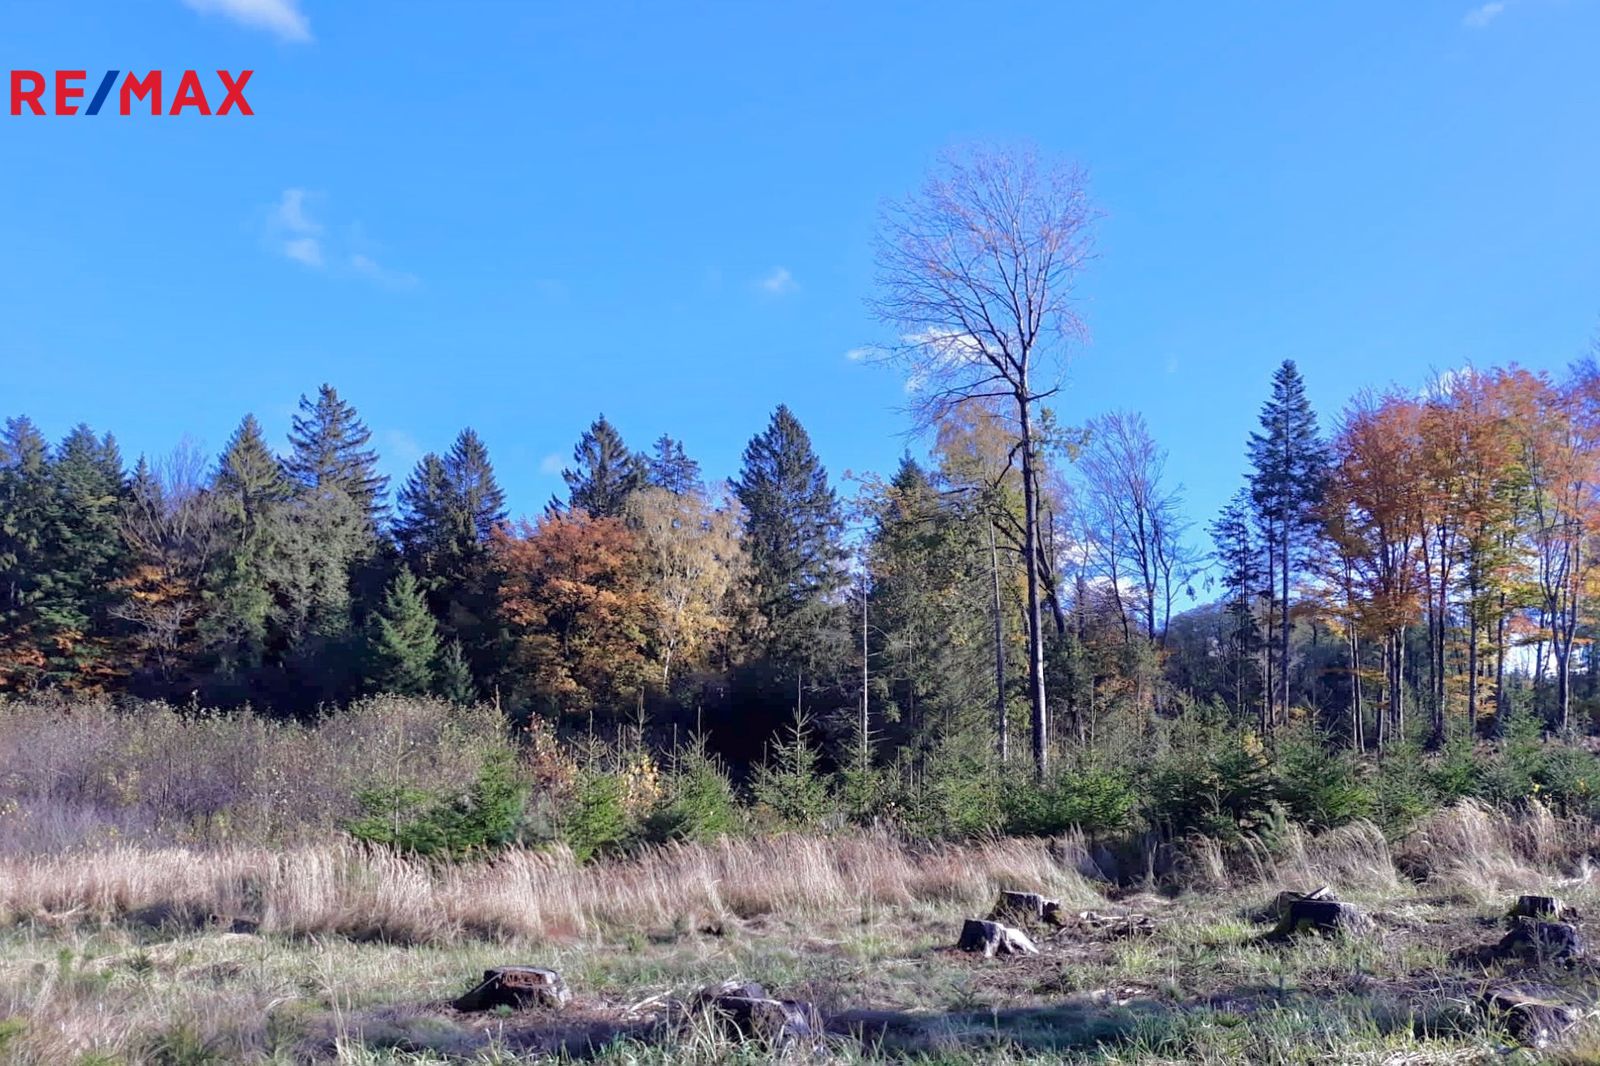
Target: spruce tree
(454, 675)
(793, 531)
(328, 450)
(86, 556)
(27, 516)
(1289, 462)
(251, 491)
(605, 474)
(403, 645)
(1238, 556)
(669, 467)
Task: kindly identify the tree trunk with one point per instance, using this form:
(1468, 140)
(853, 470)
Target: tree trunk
(1030, 551)
(1002, 730)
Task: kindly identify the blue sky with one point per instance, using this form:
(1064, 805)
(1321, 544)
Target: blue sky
(515, 216)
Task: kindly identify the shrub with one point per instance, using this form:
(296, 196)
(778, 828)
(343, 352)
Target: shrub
(1319, 786)
(1212, 780)
(598, 821)
(790, 791)
(1402, 793)
(699, 803)
(951, 790)
(1087, 797)
(421, 822)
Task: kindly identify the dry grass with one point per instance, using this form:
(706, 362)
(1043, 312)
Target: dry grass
(365, 893)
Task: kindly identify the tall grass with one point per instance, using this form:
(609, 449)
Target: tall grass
(358, 892)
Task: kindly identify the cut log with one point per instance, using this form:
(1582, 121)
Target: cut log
(1528, 1020)
(993, 939)
(746, 1009)
(1321, 916)
(1115, 925)
(1543, 908)
(1026, 907)
(1540, 941)
(516, 987)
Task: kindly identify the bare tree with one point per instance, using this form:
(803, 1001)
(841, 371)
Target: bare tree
(977, 272)
(173, 527)
(1133, 519)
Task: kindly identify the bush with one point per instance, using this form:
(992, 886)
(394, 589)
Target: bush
(1402, 793)
(790, 791)
(699, 803)
(421, 822)
(949, 791)
(1212, 780)
(1318, 786)
(598, 821)
(1086, 797)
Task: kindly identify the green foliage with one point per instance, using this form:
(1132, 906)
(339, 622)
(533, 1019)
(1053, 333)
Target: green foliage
(1210, 779)
(403, 645)
(604, 473)
(1318, 785)
(1402, 792)
(1089, 797)
(598, 821)
(421, 822)
(950, 791)
(699, 803)
(790, 790)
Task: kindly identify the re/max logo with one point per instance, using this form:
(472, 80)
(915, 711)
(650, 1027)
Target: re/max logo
(28, 90)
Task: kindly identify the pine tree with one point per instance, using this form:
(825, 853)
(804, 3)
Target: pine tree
(27, 515)
(1290, 462)
(930, 644)
(329, 450)
(1238, 556)
(86, 557)
(454, 676)
(449, 510)
(252, 492)
(793, 531)
(669, 467)
(403, 645)
(605, 474)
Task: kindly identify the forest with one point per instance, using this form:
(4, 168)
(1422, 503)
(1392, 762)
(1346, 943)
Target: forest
(1025, 629)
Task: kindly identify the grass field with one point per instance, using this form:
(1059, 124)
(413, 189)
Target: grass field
(336, 954)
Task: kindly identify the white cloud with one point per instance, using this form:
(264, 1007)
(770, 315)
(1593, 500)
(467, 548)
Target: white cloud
(779, 283)
(307, 250)
(1480, 16)
(295, 233)
(1172, 364)
(402, 446)
(552, 464)
(861, 354)
(281, 17)
(371, 269)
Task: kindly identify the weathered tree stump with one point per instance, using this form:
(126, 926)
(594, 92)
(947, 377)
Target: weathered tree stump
(1321, 916)
(748, 1010)
(1026, 907)
(1526, 1019)
(993, 939)
(1542, 908)
(1279, 906)
(1540, 941)
(516, 987)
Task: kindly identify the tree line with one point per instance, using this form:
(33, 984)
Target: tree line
(1423, 568)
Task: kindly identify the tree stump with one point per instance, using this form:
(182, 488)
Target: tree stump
(1534, 1022)
(1279, 906)
(747, 1009)
(993, 939)
(1540, 941)
(1026, 907)
(1321, 916)
(1542, 908)
(516, 987)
